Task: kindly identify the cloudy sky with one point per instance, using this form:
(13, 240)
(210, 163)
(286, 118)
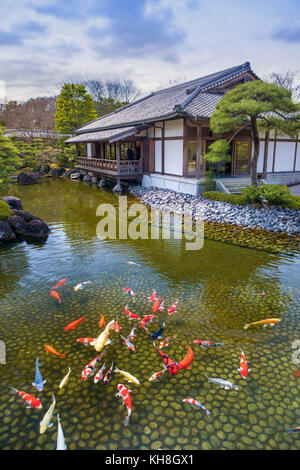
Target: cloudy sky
(46, 42)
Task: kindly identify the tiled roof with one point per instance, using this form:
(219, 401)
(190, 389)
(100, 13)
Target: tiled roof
(103, 135)
(196, 98)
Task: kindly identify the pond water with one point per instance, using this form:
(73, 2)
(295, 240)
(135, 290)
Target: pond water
(219, 290)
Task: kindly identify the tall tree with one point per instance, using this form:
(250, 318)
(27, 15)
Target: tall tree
(286, 79)
(10, 161)
(74, 107)
(260, 106)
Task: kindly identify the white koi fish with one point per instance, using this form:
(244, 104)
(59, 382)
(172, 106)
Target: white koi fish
(65, 379)
(61, 443)
(81, 285)
(46, 421)
(194, 403)
(128, 377)
(223, 383)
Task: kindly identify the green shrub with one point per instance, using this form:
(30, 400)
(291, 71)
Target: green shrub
(237, 199)
(294, 202)
(252, 194)
(5, 210)
(275, 194)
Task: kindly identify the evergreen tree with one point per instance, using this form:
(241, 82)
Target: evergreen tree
(10, 160)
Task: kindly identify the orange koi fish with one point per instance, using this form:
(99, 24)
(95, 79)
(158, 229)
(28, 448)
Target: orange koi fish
(168, 362)
(101, 321)
(52, 351)
(156, 304)
(74, 324)
(31, 401)
(264, 323)
(117, 326)
(187, 360)
(60, 283)
(243, 369)
(55, 295)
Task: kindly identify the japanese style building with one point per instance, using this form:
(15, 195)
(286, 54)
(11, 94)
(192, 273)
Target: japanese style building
(160, 140)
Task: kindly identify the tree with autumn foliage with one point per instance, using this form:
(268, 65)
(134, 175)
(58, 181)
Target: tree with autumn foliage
(256, 105)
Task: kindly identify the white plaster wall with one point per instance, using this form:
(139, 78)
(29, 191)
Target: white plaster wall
(298, 158)
(284, 159)
(260, 162)
(174, 128)
(158, 129)
(174, 157)
(151, 132)
(158, 156)
(270, 157)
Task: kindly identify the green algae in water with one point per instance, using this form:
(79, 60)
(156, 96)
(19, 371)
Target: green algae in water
(218, 289)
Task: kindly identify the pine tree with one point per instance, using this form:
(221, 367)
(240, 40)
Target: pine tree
(10, 161)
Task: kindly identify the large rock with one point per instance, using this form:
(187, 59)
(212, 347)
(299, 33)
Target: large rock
(57, 171)
(87, 179)
(13, 202)
(24, 178)
(44, 169)
(34, 229)
(35, 174)
(6, 232)
(25, 215)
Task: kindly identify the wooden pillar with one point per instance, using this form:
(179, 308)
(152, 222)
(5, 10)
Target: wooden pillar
(185, 143)
(118, 157)
(199, 160)
(163, 149)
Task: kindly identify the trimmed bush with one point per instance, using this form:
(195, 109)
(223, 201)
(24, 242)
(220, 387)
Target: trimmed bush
(294, 202)
(252, 194)
(275, 194)
(5, 210)
(237, 199)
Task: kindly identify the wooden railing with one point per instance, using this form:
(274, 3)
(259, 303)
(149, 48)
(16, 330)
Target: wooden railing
(125, 167)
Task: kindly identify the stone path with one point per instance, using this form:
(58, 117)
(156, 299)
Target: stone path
(295, 189)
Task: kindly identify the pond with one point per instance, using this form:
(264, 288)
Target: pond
(218, 289)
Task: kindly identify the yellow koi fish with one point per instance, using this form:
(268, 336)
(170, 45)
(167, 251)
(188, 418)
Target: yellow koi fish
(102, 339)
(128, 376)
(65, 379)
(264, 323)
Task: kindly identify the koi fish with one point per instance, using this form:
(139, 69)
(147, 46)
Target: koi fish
(172, 309)
(161, 307)
(195, 403)
(147, 319)
(187, 360)
(207, 344)
(86, 341)
(128, 343)
(153, 296)
(81, 285)
(108, 374)
(243, 369)
(31, 401)
(55, 295)
(264, 323)
(293, 429)
(38, 380)
(99, 374)
(102, 339)
(132, 263)
(117, 326)
(46, 421)
(89, 369)
(74, 324)
(60, 283)
(166, 342)
(101, 321)
(158, 333)
(124, 393)
(223, 383)
(157, 375)
(52, 351)
(132, 316)
(128, 377)
(129, 292)
(156, 304)
(65, 379)
(263, 293)
(61, 443)
(132, 335)
(168, 362)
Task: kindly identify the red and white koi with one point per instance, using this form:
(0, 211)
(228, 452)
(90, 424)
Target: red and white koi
(243, 369)
(124, 393)
(89, 369)
(157, 375)
(147, 319)
(132, 334)
(99, 375)
(194, 403)
(30, 401)
(207, 344)
(86, 341)
(129, 292)
(156, 304)
(117, 326)
(166, 342)
(161, 307)
(172, 309)
(128, 344)
(108, 374)
(130, 315)
(153, 296)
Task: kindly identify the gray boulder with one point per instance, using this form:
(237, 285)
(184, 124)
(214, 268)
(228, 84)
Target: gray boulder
(25, 178)
(13, 202)
(87, 179)
(6, 232)
(57, 171)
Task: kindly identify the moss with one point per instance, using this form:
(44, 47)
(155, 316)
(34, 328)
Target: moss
(236, 199)
(5, 210)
